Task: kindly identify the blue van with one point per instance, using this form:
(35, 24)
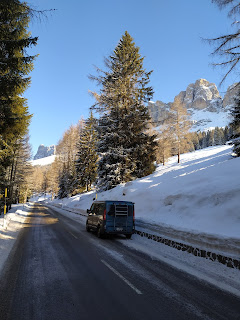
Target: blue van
(111, 217)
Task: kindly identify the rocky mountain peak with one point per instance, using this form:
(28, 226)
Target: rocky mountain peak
(199, 95)
(203, 102)
(45, 151)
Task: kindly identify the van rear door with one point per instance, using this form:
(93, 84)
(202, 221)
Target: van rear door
(119, 217)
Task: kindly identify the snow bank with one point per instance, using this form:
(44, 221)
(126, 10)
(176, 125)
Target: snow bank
(201, 194)
(10, 226)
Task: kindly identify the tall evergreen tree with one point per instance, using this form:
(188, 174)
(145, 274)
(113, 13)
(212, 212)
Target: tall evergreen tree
(126, 151)
(15, 65)
(86, 162)
(235, 126)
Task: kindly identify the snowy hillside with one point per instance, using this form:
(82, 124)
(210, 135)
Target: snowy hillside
(43, 161)
(201, 194)
(204, 120)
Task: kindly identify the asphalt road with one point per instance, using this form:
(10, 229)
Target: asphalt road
(59, 271)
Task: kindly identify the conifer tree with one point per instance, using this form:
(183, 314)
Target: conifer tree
(210, 138)
(86, 163)
(15, 65)
(235, 125)
(180, 124)
(218, 136)
(126, 151)
(19, 170)
(204, 140)
(64, 183)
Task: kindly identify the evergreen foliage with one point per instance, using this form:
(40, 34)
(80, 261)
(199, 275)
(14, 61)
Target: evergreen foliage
(15, 65)
(214, 137)
(126, 151)
(235, 124)
(65, 183)
(86, 163)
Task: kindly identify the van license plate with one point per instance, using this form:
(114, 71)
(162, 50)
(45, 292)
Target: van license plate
(119, 229)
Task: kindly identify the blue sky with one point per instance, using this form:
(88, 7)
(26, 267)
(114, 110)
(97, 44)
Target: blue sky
(79, 34)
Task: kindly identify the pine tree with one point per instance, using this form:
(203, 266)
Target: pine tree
(86, 162)
(19, 170)
(126, 151)
(210, 138)
(63, 191)
(203, 140)
(235, 125)
(15, 66)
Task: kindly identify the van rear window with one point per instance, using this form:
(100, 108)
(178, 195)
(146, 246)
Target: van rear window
(120, 210)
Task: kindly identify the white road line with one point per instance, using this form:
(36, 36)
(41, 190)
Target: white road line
(122, 277)
(72, 234)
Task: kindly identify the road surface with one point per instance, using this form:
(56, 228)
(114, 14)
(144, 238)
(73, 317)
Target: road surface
(59, 271)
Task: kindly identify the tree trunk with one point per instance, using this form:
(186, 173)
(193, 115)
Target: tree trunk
(178, 151)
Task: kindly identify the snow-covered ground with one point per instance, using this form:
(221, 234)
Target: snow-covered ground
(10, 226)
(43, 161)
(204, 120)
(201, 194)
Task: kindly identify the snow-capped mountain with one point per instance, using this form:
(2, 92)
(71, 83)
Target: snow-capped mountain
(204, 103)
(45, 151)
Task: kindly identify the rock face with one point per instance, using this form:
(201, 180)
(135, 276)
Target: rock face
(204, 103)
(158, 111)
(45, 151)
(200, 95)
(230, 95)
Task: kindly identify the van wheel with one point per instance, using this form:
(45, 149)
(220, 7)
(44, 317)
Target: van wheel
(87, 228)
(128, 236)
(99, 234)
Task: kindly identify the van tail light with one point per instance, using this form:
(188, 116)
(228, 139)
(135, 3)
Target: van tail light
(104, 214)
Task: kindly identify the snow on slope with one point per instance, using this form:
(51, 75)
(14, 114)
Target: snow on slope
(204, 120)
(43, 161)
(201, 194)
